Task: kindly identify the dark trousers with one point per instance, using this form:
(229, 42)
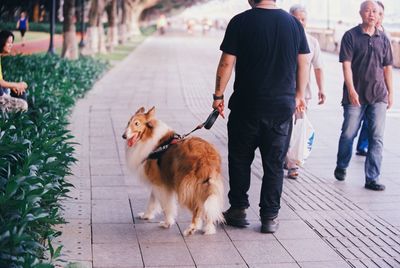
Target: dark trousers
(13, 94)
(22, 96)
(246, 133)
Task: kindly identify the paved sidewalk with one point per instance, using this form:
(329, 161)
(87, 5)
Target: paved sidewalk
(323, 222)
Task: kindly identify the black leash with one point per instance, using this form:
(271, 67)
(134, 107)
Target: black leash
(162, 148)
(207, 124)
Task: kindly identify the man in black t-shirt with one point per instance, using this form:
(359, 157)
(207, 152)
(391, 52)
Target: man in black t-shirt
(268, 48)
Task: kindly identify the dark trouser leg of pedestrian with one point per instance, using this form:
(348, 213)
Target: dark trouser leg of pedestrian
(274, 143)
(362, 144)
(22, 31)
(376, 116)
(351, 124)
(22, 96)
(242, 141)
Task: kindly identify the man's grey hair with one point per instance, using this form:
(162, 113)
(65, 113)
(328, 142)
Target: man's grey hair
(297, 8)
(364, 4)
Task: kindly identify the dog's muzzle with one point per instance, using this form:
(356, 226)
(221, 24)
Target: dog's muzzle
(124, 136)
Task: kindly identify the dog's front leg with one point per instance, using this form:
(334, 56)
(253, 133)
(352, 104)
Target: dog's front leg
(153, 207)
(168, 204)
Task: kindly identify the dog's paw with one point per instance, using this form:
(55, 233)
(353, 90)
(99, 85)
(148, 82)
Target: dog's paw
(165, 224)
(209, 229)
(190, 230)
(144, 216)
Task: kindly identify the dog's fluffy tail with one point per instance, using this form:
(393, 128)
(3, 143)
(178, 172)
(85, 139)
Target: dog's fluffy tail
(214, 202)
(205, 195)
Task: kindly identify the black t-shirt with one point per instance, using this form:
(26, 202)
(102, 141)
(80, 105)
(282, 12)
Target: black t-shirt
(266, 43)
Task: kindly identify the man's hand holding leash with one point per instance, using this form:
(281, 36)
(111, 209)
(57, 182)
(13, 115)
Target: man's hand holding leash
(219, 104)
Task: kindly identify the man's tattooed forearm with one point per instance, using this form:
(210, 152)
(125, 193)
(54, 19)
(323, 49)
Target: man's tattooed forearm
(217, 83)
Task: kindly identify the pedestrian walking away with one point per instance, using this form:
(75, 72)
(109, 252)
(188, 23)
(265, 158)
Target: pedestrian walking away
(314, 62)
(366, 56)
(268, 49)
(23, 26)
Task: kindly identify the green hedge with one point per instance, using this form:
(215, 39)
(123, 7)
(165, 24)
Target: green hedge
(35, 154)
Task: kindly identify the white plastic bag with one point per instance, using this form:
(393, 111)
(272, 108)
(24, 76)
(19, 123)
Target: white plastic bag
(301, 141)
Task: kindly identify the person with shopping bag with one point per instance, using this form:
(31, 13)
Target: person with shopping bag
(301, 121)
(301, 141)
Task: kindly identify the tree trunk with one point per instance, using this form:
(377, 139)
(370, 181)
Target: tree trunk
(134, 21)
(131, 11)
(123, 28)
(102, 40)
(112, 24)
(95, 31)
(36, 12)
(70, 45)
(135, 15)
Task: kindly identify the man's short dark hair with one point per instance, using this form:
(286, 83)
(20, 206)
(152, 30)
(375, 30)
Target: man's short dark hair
(381, 4)
(4, 35)
(258, 1)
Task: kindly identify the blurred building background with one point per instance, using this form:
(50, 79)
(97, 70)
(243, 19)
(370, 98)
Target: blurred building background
(327, 19)
(322, 13)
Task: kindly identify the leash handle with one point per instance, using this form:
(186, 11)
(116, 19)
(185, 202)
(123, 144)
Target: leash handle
(207, 124)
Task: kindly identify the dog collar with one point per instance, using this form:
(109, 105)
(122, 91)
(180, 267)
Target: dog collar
(163, 147)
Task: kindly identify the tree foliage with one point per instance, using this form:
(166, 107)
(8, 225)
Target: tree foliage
(9, 9)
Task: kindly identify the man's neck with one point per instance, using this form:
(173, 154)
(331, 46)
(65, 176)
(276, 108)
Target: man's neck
(369, 29)
(266, 4)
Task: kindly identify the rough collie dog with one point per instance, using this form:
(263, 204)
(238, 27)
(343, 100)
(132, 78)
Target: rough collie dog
(188, 170)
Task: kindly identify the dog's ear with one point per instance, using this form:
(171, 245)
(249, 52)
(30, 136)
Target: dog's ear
(150, 114)
(141, 110)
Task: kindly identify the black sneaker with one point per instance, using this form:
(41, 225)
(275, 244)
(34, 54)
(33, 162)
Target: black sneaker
(340, 174)
(236, 217)
(363, 152)
(269, 226)
(374, 186)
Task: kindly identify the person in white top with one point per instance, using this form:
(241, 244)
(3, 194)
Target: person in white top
(161, 24)
(315, 62)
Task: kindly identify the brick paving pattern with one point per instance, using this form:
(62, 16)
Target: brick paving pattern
(323, 223)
